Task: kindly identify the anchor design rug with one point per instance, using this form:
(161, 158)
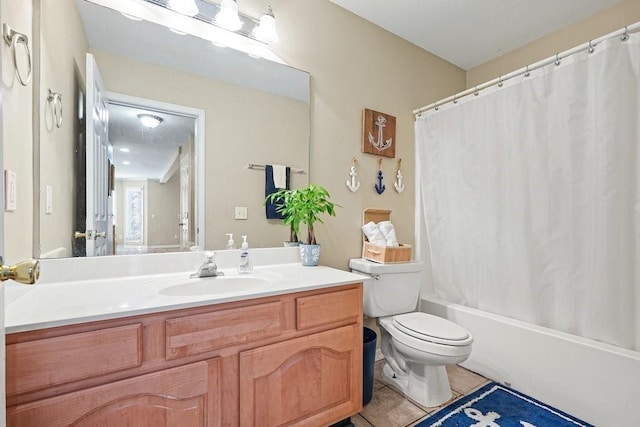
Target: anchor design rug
(495, 405)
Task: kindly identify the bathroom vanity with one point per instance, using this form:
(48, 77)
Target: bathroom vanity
(289, 353)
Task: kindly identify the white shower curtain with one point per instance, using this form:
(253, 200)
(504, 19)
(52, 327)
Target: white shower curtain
(531, 195)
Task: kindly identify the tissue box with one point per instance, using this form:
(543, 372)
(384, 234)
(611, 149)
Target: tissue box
(382, 254)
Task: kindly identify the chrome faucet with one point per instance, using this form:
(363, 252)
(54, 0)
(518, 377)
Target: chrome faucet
(208, 267)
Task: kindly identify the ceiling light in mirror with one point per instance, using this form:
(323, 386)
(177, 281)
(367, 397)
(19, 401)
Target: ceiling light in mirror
(185, 7)
(149, 120)
(228, 17)
(266, 30)
(124, 150)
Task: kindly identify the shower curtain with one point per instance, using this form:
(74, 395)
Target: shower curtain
(530, 195)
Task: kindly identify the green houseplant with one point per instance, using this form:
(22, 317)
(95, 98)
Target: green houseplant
(305, 206)
(280, 199)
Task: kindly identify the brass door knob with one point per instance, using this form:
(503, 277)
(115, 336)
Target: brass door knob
(26, 272)
(79, 235)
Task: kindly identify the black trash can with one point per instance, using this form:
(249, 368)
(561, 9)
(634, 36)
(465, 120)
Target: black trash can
(368, 364)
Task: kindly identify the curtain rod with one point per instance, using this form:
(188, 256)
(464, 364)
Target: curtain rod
(623, 33)
(261, 167)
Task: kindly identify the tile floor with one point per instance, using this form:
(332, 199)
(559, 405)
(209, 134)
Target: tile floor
(389, 408)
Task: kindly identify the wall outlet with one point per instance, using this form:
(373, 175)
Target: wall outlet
(241, 212)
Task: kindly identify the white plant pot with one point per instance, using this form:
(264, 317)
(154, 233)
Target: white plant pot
(309, 255)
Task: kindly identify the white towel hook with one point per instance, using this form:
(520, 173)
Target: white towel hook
(55, 99)
(399, 185)
(352, 184)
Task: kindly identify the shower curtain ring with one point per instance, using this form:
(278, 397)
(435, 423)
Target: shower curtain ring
(455, 99)
(527, 73)
(625, 36)
(475, 91)
(436, 106)
(500, 82)
(591, 47)
(557, 59)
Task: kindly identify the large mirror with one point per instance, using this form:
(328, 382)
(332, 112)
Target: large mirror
(174, 186)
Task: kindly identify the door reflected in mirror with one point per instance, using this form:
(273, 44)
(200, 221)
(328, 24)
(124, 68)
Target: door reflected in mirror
(253, 111)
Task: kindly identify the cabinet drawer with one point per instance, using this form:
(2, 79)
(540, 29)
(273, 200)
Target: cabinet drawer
(333, 307)
(38, 364)
(200, 333)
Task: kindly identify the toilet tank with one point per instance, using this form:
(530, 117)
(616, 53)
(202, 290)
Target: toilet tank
(392, 289)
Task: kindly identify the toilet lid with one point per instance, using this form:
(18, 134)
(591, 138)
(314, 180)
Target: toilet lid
(431, 328)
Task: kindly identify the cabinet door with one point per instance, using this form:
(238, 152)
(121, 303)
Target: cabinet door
(308, 381)
(173, 397)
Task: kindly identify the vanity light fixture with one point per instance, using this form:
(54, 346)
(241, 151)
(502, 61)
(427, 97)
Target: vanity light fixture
(149, 120)
(266, 30)
(185, 7)
(227, 17)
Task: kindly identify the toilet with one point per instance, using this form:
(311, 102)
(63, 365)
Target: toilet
(416, 346)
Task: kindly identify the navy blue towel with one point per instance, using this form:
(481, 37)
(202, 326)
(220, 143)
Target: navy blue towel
(270, 188)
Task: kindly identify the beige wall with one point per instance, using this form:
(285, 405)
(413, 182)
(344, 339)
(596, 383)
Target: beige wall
(62, 58)
(356, 65)
(17, 121)
(607, 21)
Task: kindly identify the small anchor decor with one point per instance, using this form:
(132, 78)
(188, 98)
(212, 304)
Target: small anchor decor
(399, 185)
(379, 133)
(352, 184)
(380, 187)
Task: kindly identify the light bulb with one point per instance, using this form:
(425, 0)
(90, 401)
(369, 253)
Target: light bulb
(228, 17)
(185, 7)
(266, 31)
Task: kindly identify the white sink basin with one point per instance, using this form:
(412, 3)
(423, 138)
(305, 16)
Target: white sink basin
(214, 285)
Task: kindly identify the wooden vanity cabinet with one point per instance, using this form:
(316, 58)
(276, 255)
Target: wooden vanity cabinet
(292, 359)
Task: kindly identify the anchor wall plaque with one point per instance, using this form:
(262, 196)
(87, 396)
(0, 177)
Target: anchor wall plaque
(378, 133)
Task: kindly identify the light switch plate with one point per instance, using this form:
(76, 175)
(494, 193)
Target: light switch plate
(241, 212)
(48, 199)
(10, 191)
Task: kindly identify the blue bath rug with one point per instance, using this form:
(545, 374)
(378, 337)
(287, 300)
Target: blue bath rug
(495, 405)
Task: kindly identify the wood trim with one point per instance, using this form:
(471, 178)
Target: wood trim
(51, 361)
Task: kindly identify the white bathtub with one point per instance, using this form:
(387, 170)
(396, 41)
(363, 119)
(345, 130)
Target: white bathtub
(596, 382)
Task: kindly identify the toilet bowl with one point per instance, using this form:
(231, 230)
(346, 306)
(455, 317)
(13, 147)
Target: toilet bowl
(416, 346)
(417, 357)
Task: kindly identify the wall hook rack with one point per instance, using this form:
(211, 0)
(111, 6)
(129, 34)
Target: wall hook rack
(352, 184)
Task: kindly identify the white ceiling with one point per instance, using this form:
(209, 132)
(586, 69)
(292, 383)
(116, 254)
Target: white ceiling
(469, 33)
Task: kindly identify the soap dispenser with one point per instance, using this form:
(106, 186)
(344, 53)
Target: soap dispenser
(231, 244)
(246, 264)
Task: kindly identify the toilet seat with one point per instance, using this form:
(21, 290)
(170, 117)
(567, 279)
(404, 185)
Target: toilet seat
(434, 329)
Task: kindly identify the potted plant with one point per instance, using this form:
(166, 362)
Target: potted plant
(280, 198)
(305, 205)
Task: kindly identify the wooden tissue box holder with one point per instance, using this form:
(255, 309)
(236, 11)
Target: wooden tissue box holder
(382, 254)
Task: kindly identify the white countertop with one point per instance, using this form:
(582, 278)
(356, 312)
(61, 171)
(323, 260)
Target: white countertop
(70, 302)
